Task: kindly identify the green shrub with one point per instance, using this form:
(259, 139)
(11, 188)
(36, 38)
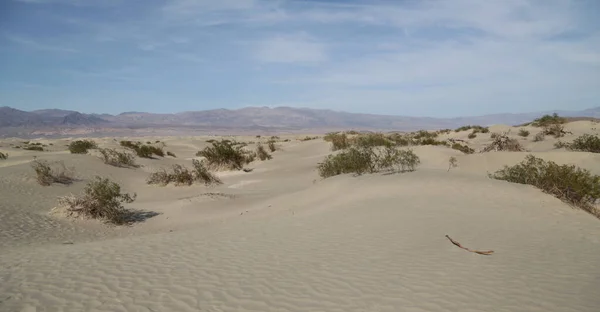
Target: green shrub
(567, 182)
(586, 143)
(81, 146)
(47, 173)
(369, 140)
(472, 135)
(3, 155)
(422, 134)
(225, 155)
(262, 153)
(463, 148)
(118, 159)
(556, 130)
(504, 143)
(181, 175)
(548, 120)
(339, 141)
(143, 151)
(524, 133)
(101, 199)
(129, 144)
(476, 129)
(368, 160)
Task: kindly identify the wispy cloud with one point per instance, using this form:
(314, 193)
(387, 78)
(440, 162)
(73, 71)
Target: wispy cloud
(293, 48)
(38, 45)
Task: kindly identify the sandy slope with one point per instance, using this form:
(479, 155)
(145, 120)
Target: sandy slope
(281, 239)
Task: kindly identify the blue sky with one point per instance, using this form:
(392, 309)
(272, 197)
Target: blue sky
(419, 58)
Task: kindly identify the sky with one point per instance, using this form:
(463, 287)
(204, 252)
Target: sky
(437, 58)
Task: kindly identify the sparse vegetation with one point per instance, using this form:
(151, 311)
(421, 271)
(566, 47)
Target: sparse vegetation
(539, 137)
(472, 135)
(225, 154)
(463, 148)
(452, 163)
(3, 155)
(116, 158)
(272, 146)
(81, 146)
(143, 151)
(476, 129)
(47, 173)
(548, 120)
(567, 182)
(180, 175)
(586, 143)
(262, 153)
(504, 143)
(101, 199)
(33, 148)
(524, 133)
(339, 141)
(556, 130)
(370, 140)
(368, 160)
(309, 138)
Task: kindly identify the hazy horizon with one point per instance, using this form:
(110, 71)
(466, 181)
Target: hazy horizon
(412, 58)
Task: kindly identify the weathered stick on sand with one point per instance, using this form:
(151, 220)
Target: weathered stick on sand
(485, 252)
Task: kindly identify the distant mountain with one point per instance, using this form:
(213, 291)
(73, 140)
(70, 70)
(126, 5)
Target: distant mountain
(265, 119)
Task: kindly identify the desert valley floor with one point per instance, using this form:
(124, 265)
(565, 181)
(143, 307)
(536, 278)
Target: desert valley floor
(281, 238)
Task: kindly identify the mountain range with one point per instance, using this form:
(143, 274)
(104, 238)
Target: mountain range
(57, 122)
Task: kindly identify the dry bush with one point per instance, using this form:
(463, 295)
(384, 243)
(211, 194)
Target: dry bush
(101, 199)
(225, 154)
(556, 130)
(494, 135)
(463, 148)
(452, 162)
(371, 140)
(539, 137)
(262, 153)
(180, 175)
(171, 154)
(567, 182)
(33, 148)
(272, 146)
(524, 133)
(82, 146)
(3, 155)
(115, 158)
(586, 143)
(368, 160)
(307, 138)
(504, 143)
(48, 173)
(476, 129)
(423, 134)
(472, 135)
(143, 151)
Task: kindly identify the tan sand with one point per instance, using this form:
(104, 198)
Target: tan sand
(279, 238)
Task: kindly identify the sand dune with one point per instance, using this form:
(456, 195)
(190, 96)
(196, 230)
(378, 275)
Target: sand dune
(280, 238)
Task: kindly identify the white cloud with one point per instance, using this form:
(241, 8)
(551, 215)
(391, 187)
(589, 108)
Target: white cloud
(294, 48)
(38, 45)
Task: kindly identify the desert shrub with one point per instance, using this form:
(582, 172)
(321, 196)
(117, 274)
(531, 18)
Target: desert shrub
(101, 199)
(548, 120)
(556, 130)
(180, 175)
(452, 162)
(308, 138)
(423, 134)
(472, 135)
(171, 154)
(262, 153)
(476, 129)
(81, 146)
(368, 160)
(494, 135)
(3, 155)
(400, 140)
(463, 148)
(339, 141)
(33, 148)
(224, 154)
(118, 159)
(586, 143)
(129, 144)
(567, 182)
(428, 141)
(561, 144)
(524, 133)
(504, 143)
(272, 146)
(370, 140)
(444, 131)
(47, 173)
(329, 136)
(539, 137)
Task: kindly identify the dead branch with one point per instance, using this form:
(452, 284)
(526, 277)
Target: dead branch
(485, 252)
